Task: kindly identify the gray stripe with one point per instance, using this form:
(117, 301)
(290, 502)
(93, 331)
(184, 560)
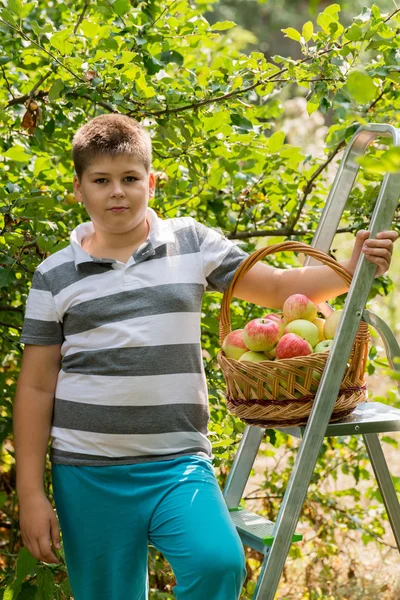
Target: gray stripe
(148, 419)
(186, 242)
(136, 361)
(39, 332)
(201, 231)
(75, 458)
(129, 304)
(66, 274)
(220, 279)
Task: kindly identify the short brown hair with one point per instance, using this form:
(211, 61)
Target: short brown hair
(110, 135)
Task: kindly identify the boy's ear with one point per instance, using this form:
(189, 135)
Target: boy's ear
(77, 189)
(152, 183)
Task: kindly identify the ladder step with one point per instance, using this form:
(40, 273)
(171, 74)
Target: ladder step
(255, 531)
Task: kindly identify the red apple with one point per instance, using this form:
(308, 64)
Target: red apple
(331, 324)
(233, 345)
(298, 306)
(305, 329)
(261, 335)
(291, 345)
(274, 317)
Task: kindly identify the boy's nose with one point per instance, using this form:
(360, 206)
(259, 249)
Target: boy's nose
(117, 191)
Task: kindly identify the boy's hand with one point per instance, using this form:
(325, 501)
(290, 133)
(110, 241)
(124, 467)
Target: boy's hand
(378, 250)
(38, 523)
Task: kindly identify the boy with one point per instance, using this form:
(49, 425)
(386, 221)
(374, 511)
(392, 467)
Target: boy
(112, 370)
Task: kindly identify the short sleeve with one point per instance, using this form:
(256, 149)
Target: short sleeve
(41, 322)
(221, 258)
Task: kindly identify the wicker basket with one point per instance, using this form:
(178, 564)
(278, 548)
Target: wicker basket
(280, 393)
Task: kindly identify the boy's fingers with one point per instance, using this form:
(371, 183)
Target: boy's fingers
(55, 533)
(392, 235)
(46, 554)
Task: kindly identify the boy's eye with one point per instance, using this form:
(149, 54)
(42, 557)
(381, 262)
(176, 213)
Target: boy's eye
(101, 179)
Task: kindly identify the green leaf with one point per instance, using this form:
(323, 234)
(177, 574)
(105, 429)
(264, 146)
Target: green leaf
(388, 162)
(45, 582)
(275, 142)
(55, 90)
(361, 87)
(171, 56)
(6, 277)
(307, 31)
(241, 122)
(16, 7)
(17, 153)
(122, 7)
(62, 41)
(222, 25)
(5, 59)
(292, 33)
(25, 564)
(354, 33)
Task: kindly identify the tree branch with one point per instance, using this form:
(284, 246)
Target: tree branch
(11, 326)
(81, 16)
(42, 48)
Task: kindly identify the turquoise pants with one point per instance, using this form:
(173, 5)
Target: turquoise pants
(108, 515)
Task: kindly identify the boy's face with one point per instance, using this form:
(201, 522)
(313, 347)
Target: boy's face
(116, 181)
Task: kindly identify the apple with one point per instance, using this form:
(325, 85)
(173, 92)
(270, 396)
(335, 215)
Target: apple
(305, 329)
(324, 345)
(261, 335)
(331, 324)
(274, 317)
(315, 375)
(291, 345)
(70, 199)
(298, 306)
(271, 355)
(320, 326)
(251, 356)
(233, 345)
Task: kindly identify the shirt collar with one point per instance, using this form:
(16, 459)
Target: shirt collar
(160, 233)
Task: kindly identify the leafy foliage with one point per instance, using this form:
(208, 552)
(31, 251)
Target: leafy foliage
(216, 115)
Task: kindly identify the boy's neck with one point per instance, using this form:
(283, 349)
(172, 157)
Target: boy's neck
(100, 241)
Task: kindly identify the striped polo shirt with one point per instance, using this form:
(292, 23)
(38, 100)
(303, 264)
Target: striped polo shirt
(132, 386)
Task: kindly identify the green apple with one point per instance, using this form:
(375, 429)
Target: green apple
(331, 324)
(320, 326)
(253, 357)
(322, 346)
(305, 329)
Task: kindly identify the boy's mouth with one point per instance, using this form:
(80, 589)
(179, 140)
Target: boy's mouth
(118, 208)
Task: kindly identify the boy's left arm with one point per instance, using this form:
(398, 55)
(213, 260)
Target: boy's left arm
(269, 287)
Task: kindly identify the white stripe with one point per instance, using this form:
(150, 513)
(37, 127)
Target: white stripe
(214, 249)
(153, 330)
(114, 446)
(40, 305)
(186, 268)
(155, 390)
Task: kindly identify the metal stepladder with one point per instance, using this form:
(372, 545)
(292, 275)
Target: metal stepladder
(368, 419)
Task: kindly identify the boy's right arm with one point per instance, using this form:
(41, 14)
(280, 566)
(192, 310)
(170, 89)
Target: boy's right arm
(32, 417)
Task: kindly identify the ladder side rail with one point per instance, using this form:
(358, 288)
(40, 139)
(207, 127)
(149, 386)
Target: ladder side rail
(391, 345)
(385, 483)
(343, 183)
(242, 465)
(325, 398)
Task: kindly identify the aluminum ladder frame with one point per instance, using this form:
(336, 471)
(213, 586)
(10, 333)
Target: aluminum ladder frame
(369, 418)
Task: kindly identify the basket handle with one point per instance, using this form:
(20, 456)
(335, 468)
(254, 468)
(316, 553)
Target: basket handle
(225, 318)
